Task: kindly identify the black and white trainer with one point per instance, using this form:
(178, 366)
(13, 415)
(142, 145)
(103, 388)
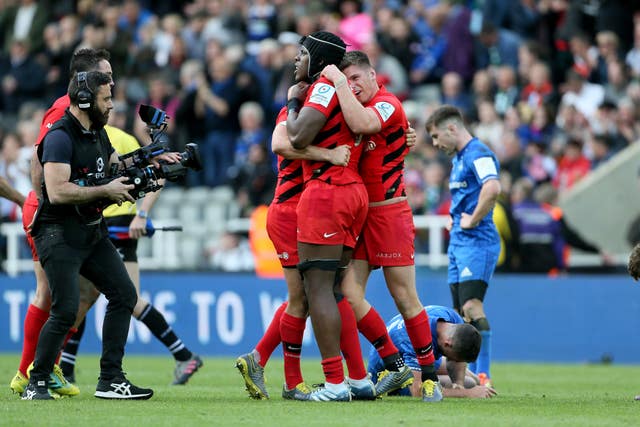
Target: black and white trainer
(37, 391)
(121, 388)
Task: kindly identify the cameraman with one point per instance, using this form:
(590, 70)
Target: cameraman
(71, 237)
(127, 215)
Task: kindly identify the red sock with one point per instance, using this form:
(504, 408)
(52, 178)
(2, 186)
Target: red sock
(292, 331)
(350, 341)
(33, 323)
(271, 338)
(333, 370)
(71, 332)
(373, 328)
(419, 333)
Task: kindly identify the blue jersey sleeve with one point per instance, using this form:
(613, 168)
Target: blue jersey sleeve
(57, 147)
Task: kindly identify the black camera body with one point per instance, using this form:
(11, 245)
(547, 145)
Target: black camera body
(140, 172)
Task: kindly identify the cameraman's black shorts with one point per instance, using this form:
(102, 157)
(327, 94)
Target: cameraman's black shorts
(127, 248)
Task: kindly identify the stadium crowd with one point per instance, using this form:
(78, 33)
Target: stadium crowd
(553, 86)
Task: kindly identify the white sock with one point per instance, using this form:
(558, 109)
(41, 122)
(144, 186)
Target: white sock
(363, 382)
(335, 387)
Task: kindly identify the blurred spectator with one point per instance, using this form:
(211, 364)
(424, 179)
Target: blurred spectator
(389, 70)
(530, 52)
(434, 187)
(572, 166)
(453, 93)
(190, 121)
(600, 146)
(547, 196)
(55, 59)
(511, 158)
(617, 80)
(221, 99)
(284, 75)
(541, 244)
(252, 132)
(584, 96)
(539, 89)
(541, 129)
(608, 52)
(482, 87)
(538, 165)
(261, 22)
(22, 78)
(628, 120)
(25, 20)
(255, 180)
(356, 27)
(15, 168)
(415, 192)
(606, 123)
(133, 18)
(230, 253)
(459, 53)
(585, 55)
(496, 47)
(164, 40)
(161, 95)
(507, 89)
(428, 25)
(193, 34)
(400, 41)
(489, 128)
(632, 58)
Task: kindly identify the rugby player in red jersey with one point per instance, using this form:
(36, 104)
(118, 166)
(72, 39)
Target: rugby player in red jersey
(289, 320)
(332, 207)
(377, 115)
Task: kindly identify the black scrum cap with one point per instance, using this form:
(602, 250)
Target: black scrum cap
(324, 48)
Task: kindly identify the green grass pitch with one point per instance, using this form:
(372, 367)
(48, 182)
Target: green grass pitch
(528, 395)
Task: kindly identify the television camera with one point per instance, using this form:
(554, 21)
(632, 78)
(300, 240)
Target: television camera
(138, 166)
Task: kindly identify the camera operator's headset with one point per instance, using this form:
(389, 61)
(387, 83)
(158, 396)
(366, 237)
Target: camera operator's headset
(85, 95)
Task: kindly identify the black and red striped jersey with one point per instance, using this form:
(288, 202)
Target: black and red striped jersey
(382, 163)
(290, 183)
(322, 97)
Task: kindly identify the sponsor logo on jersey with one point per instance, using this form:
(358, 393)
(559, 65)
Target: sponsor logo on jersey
(457, 184)
(322, 94)
(385, 110)
(371, 146)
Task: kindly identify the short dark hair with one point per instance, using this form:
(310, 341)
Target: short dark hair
(466, 341)
(441, 115)
(355, 57)
(95, 79)
(87, 60)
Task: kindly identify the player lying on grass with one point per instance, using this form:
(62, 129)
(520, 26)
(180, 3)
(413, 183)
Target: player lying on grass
(458, 341)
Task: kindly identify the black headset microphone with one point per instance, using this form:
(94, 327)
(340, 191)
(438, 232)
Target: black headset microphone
(85, 95)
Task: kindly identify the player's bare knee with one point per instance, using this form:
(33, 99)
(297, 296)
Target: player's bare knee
(473, 309)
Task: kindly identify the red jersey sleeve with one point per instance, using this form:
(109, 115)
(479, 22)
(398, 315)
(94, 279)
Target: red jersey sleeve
(53, 114)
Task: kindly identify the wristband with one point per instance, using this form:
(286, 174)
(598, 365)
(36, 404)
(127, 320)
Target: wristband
(142, 214)
(294, 104)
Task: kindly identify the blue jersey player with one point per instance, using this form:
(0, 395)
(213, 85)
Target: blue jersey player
(458, 341)
(474, 244)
